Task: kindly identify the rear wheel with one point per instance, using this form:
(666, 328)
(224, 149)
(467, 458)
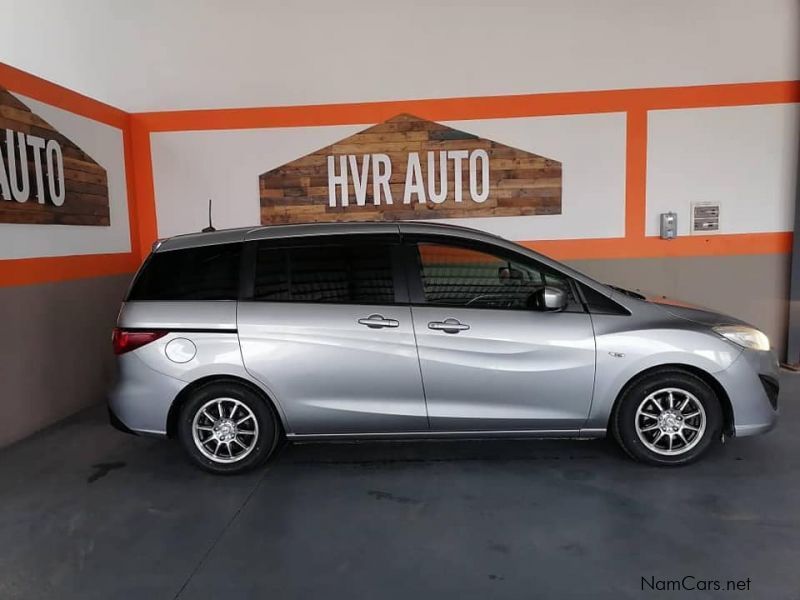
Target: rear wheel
(227, 428)
(667, 418)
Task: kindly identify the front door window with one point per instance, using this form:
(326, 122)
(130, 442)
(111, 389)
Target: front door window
(467, 278)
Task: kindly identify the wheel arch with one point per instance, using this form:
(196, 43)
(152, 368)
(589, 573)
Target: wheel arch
(705, 376)
(187, 391)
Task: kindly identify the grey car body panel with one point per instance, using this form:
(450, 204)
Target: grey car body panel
(331, 377)
(217, 314)
(509, 370)
(332, 374)
(193, 240)
(627, 346)
(752, 411)
(142, 397)
(659, 334)
(318, 229)
(690, 312)
(149, 382)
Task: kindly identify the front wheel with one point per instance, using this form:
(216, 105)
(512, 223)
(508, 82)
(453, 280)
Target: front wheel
(227, 428)
(667, 418)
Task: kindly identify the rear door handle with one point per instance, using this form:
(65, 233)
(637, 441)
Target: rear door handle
(378, 322)
(448, 326)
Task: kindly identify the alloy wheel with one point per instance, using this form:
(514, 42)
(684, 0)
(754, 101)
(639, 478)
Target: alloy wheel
(225, 430)
(670, 421)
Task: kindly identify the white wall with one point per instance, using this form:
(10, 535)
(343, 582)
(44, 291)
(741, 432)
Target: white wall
(105, 145)
(743, 157)
(158, 55)
(190, 167)
(591, 149)
(155, 55)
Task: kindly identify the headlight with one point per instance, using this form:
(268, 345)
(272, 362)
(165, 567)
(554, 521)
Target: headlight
(744, 336)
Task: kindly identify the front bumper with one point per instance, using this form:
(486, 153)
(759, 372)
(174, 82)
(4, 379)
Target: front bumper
(752, 385)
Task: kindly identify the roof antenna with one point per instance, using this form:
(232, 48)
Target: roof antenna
(210, 227)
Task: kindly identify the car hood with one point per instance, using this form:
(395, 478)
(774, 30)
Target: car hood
(692, 312)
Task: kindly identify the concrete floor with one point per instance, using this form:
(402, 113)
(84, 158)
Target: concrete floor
(87, 512)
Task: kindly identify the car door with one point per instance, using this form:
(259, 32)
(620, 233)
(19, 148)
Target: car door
(488, 360)
(326, 327)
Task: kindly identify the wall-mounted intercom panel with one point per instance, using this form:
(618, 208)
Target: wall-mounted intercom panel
(669, 226)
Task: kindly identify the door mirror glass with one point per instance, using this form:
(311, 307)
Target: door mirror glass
(548, 298)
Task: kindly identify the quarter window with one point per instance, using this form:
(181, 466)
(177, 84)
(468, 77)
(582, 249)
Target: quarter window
(203, 273)
(464, 277)
(600, 304)
(338, 274)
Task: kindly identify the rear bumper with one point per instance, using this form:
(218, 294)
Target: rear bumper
(752, 386)
(115, 422)
(141, 399)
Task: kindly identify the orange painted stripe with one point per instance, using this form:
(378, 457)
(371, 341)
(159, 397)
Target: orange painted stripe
(130, 183)
(635, 173)
(491, 107)
(28, 271)
(654, 247)
(18, 81)
(147, 224)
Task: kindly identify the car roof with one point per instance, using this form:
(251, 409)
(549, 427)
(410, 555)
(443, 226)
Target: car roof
(240, 234)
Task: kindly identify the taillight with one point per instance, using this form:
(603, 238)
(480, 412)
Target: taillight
(125, 340)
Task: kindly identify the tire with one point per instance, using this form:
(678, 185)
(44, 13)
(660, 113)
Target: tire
(236, 440)
(674, 435)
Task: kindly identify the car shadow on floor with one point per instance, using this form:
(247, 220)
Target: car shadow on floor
(378, 453)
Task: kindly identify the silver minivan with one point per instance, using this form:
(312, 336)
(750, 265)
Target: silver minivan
(233, 340)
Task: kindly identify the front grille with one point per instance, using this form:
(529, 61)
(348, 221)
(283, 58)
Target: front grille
(771, 387)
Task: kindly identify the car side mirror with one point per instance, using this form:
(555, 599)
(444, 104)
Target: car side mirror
(550, 299)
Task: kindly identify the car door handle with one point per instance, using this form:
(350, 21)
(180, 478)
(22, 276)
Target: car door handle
(448, 326)
(378, 322)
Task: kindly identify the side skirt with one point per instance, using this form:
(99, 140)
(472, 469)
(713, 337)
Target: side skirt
(444, 435)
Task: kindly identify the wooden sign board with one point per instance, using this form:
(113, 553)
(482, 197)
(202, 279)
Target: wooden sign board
(410, 168)
(45, 178)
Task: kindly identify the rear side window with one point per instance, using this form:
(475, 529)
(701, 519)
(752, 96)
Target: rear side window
(336, 274)
(204, 273)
